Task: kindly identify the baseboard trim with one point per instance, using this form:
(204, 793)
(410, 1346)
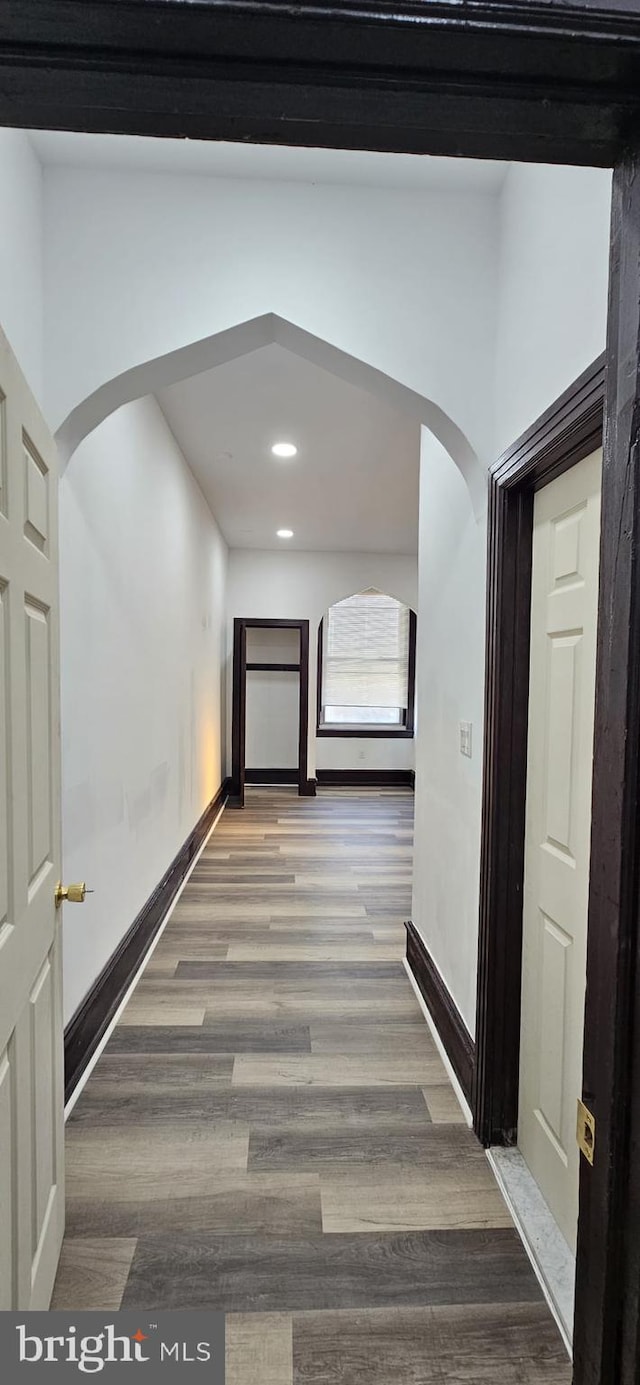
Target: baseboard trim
(366, 778)
(374, 778)
(429, 1020)
(451, 1027)
(271, 776)
(86, 1028)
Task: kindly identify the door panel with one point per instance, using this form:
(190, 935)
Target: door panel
(38, 739)
(36, 523)
(31, 1068)
(564, 597)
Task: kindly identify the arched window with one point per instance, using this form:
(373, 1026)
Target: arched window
(366, 667)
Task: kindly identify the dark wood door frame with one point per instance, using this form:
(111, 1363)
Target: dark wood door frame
(607, 1306)
(570, 430)
(567, 432)
(241, 624)
(552, 81)
(608, 1261)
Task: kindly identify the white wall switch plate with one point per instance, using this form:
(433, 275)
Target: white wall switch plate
(465, 738)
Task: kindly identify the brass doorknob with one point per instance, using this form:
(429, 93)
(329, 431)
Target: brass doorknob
(74, 894)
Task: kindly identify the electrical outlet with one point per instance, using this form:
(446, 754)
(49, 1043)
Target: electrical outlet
(465, 738)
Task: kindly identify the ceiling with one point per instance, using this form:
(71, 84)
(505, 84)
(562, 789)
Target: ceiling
(353, 486)
(224, 160)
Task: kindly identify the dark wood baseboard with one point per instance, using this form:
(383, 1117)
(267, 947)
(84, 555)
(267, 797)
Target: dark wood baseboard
(275, 776)
(356, 778)
(271, 776)
(85, 1030)
(446, 1017)
(365, 778)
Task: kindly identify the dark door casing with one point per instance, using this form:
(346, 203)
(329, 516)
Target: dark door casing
(306, 786)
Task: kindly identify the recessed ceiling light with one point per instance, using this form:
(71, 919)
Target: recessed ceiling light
(284, 449)
(285, 533)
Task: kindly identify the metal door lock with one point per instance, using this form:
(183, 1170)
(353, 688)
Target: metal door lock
(586, 1132)
(73, 894)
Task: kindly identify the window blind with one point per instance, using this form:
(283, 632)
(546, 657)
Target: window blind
(366, 653)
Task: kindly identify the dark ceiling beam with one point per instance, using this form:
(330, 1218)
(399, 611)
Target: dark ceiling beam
(547, 81)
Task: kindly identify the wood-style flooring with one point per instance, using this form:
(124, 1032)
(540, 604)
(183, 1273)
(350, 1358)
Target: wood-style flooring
(271, 1132)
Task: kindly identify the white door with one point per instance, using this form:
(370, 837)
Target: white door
(31, 1069)
(564, 601)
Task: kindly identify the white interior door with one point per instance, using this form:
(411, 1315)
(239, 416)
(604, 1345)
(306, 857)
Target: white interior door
(31, 1054)
(564, 601)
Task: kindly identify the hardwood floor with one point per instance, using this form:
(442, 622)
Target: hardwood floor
(270, 1130)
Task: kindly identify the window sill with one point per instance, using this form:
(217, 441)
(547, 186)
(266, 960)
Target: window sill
(393, 733)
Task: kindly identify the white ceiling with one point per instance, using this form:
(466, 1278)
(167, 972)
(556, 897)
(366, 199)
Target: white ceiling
(353, 486)
(217, 159)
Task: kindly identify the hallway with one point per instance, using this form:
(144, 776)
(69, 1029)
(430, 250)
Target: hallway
(270, 1130)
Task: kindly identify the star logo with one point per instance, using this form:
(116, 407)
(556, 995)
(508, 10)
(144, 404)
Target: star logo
(138, 1336)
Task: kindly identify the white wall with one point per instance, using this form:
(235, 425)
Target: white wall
(553, 269)
(273, 700)
(272, 720)
(143, 571)
(551, 324)
(403, 280)
(22, 253)
(302, 586)
(342, 753)
(450, 674)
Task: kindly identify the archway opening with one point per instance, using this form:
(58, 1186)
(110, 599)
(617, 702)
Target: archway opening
(157, 374)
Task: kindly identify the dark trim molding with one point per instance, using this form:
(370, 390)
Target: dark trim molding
(267, 622)
(365, 778)
(607, 1318)
(548, 81)
(241, 624)
(359, 733)
(271, 776)
(567, 432)
(272, 668)
(411, 674)
(443, 1010)
(365, 733)
(85, 1030)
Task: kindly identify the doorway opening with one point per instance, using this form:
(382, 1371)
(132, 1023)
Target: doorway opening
(270, 676)
(534, 961)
